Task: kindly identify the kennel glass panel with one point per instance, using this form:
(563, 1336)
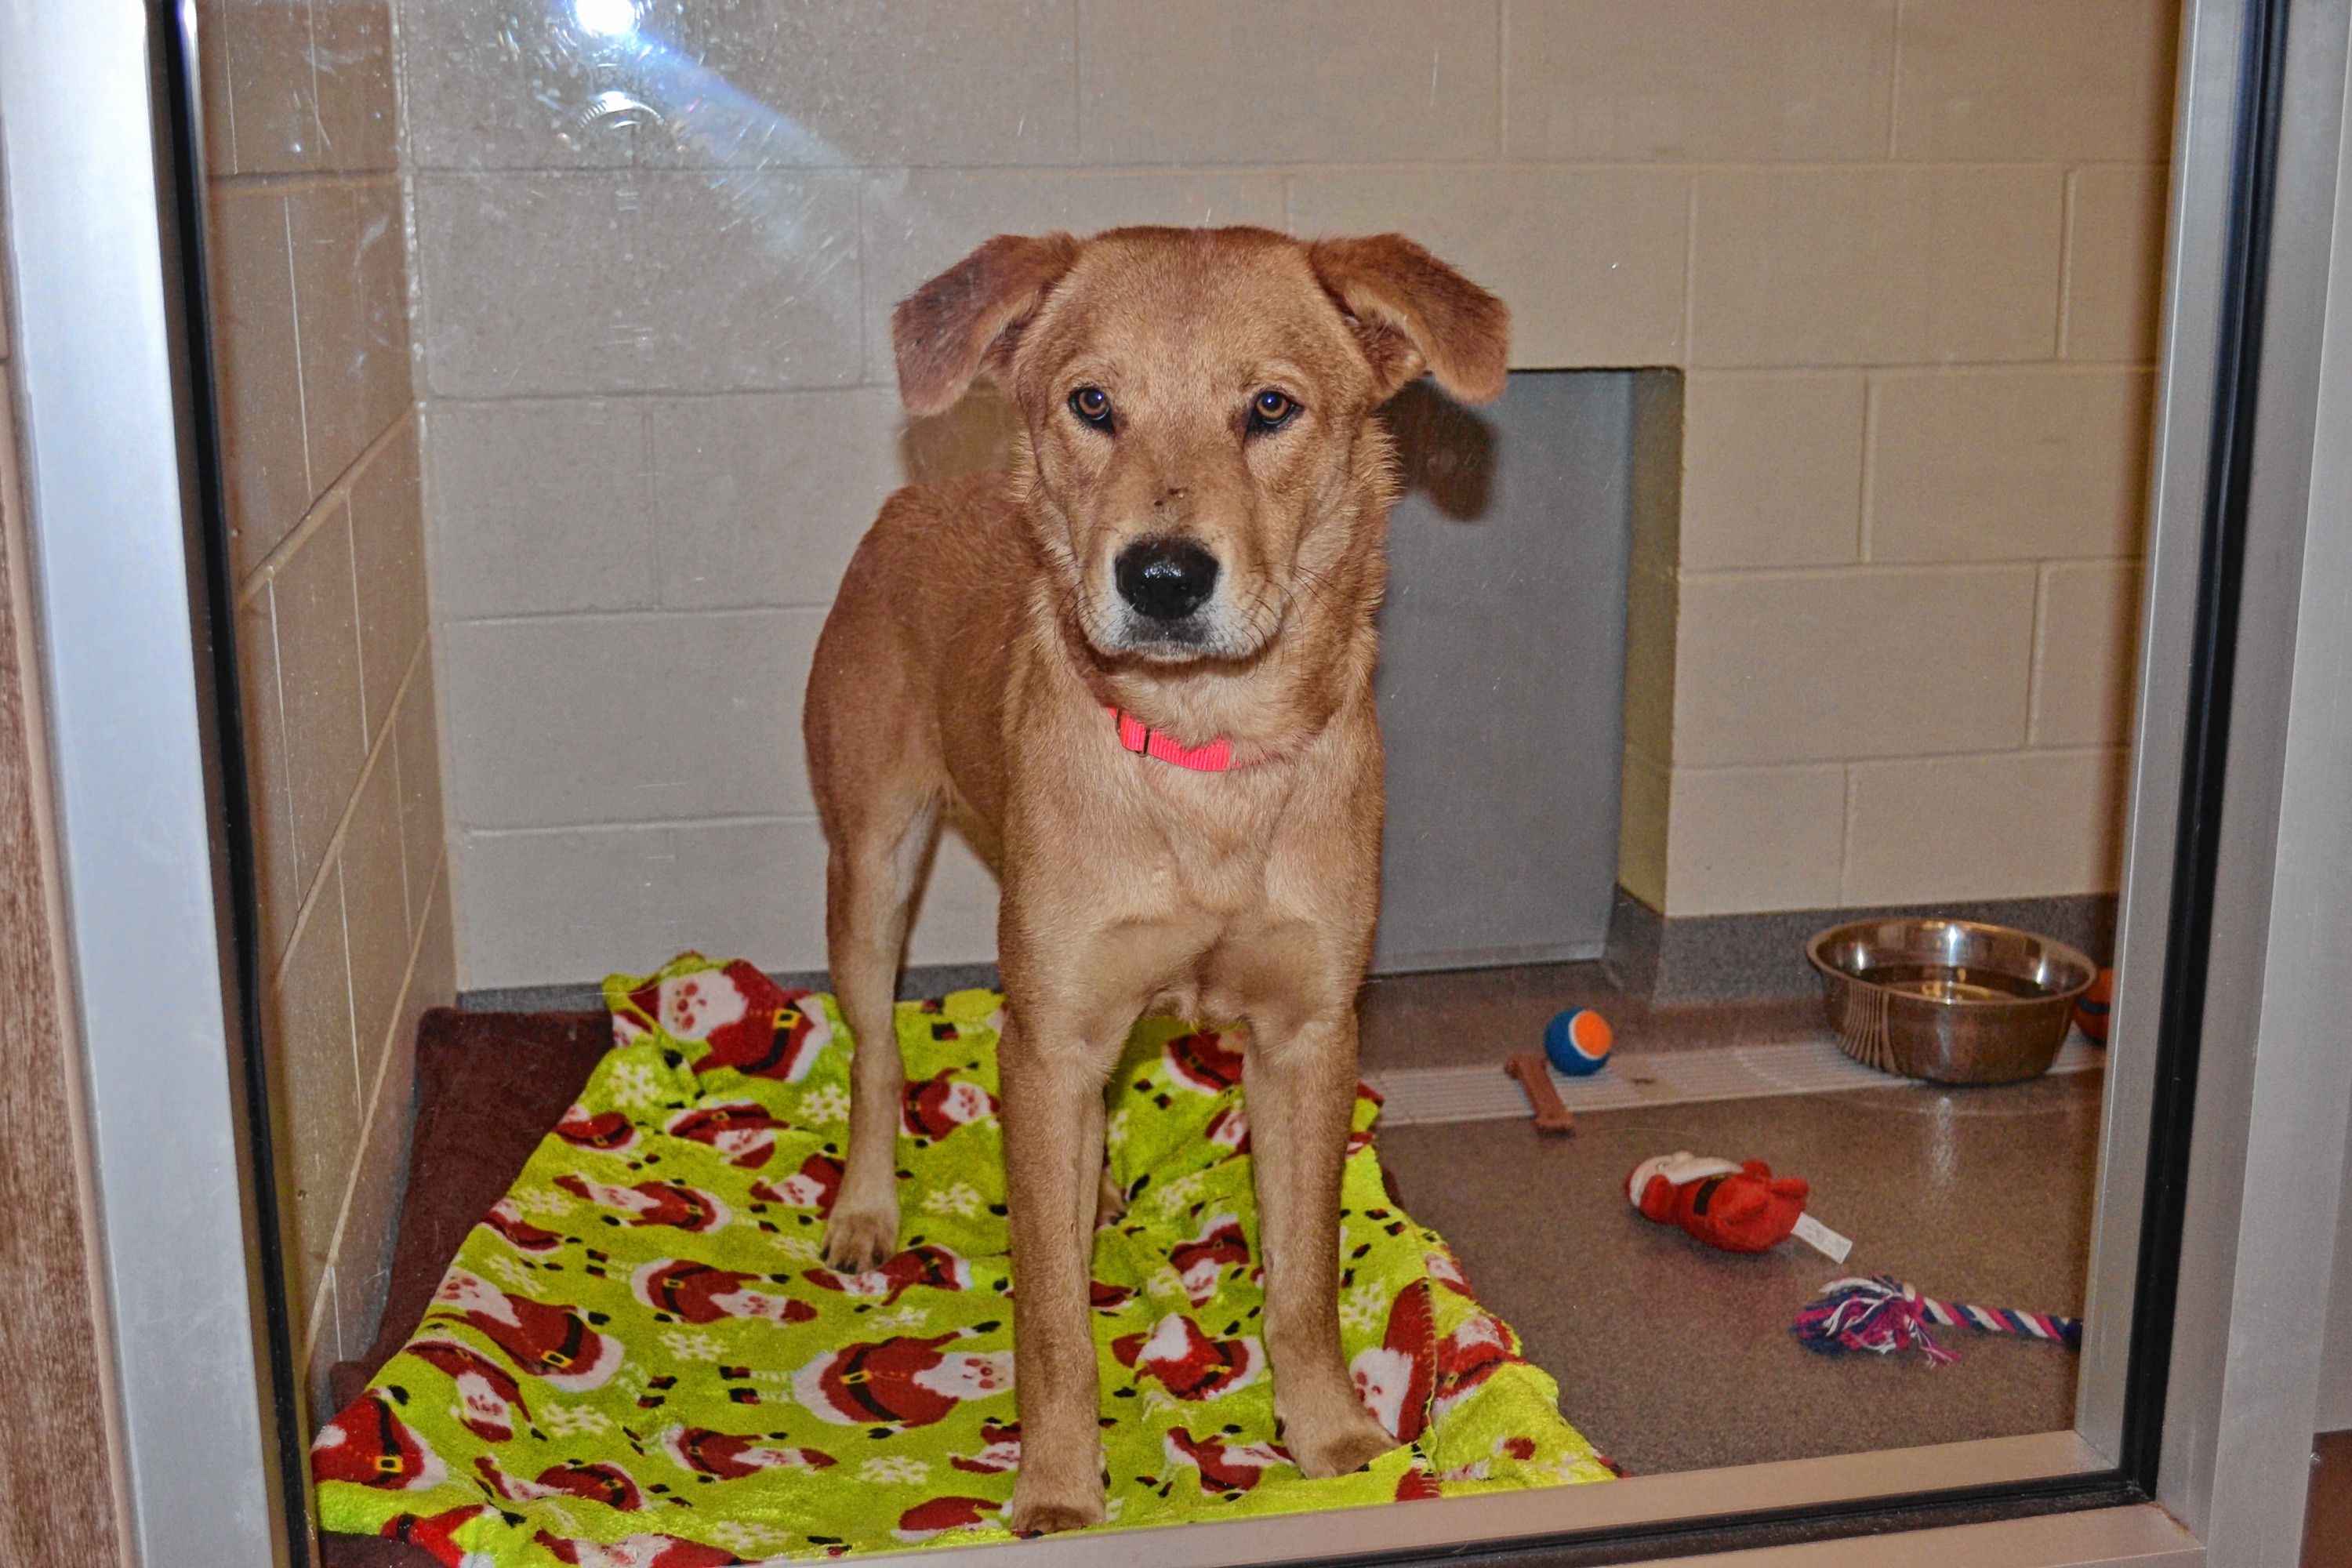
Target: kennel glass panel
(1794, 577)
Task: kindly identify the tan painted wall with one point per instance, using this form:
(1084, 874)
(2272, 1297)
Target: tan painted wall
(1906, 252)
(310, 284)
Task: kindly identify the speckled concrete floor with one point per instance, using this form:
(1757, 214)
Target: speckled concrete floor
(1671, 1356)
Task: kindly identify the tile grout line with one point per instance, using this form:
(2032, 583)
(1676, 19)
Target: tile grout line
(2080, 749)
(315, 517)
(1690, 271)
(1078, 77)
(2045, 365)
(2065, 262)
(1862, 530)
(1894, 83)
(864, 278)
(350, 1000)
(400, 815)
(1770, 1070)
(640, 613)
(2037, 653)
(310, 27)
(648, 474)
(334, 846)
(1835, 571)
(1921, 369)
(301, 181)
(374, 1097)
(328, 1290)
(2075, 751)
(359, 617)
(1852, 788)
(219, 47)
(302, 392)
(450, 174)
(285, 750)
(1502, 82)
(1822, 570)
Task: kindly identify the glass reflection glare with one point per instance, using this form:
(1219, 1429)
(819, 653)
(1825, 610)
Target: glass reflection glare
(605, 19)
(640, 83)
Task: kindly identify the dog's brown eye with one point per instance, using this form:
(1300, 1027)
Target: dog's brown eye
(1270, 410)
(1092, 403)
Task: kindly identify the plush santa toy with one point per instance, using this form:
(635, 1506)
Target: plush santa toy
(1733, 1208)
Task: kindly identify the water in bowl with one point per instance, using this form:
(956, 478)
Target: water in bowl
(1953, 982)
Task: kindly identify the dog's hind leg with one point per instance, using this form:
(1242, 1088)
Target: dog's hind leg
(871, 878)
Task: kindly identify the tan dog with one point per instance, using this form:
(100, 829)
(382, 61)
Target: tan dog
(1190, 534)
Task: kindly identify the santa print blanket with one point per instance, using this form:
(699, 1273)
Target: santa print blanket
(638, 1361)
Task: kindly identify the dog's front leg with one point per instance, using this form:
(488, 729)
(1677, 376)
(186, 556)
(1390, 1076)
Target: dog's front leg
(1053, 1159)
(862, 1231)
(1300, 1089)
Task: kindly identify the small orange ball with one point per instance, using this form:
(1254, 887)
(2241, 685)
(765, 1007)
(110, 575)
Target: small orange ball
(1578, 1042)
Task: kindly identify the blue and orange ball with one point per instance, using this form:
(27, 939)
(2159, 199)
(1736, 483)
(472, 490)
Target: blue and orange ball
(2091, 1007)
(1578, 1042)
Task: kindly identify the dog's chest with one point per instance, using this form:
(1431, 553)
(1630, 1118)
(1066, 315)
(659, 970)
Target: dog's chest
(1208, 842)
(1226, 886)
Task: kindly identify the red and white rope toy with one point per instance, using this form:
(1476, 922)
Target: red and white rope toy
(1883, 1316)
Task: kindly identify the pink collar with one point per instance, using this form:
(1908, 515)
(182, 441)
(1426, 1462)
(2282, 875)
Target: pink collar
(1217, 757)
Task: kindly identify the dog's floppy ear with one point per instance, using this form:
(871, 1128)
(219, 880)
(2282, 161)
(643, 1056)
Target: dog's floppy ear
(965, 320)
(1412, 313)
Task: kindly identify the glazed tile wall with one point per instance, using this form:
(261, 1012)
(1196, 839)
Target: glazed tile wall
(308, 244)
(1905, 250)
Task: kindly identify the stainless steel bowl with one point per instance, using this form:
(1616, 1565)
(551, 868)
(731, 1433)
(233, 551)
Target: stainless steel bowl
(1954, 1001)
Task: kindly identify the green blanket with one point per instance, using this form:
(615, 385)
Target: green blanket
(638, 1361)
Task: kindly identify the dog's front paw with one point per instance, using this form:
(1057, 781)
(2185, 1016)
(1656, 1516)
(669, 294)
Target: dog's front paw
(861, 1237)
(1337, 1447)
(1043, 1505)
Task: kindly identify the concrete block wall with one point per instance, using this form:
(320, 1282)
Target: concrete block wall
(311, 324)
(1904, 250)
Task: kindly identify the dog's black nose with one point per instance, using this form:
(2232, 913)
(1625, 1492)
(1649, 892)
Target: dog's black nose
(1166, 579)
